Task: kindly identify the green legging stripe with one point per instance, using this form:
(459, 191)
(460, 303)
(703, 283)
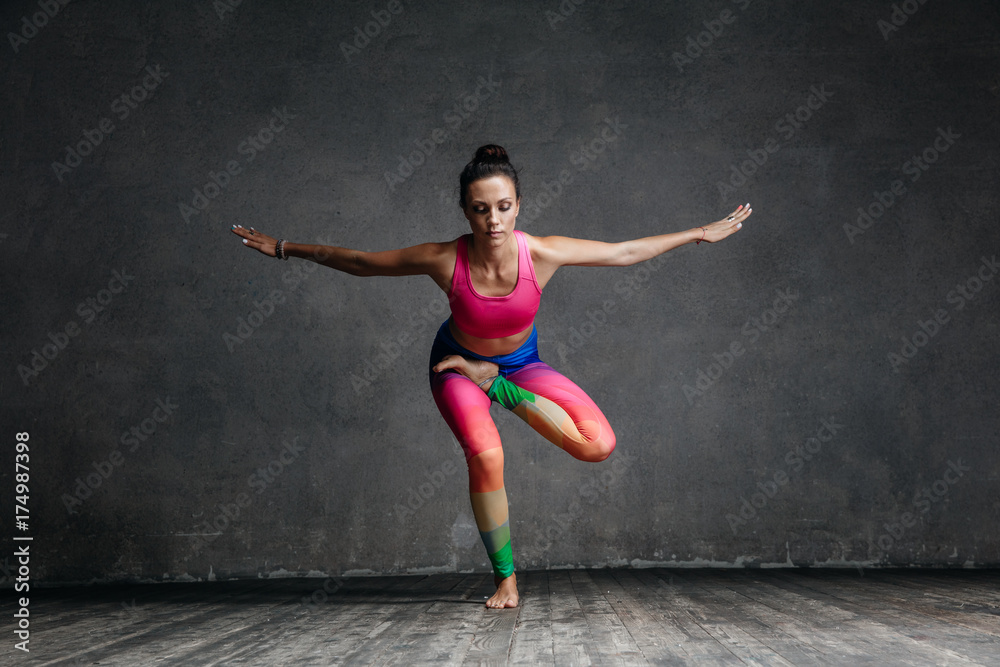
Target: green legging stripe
(497, 543)
(508, 394)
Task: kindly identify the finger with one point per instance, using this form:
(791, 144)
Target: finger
(741, 211)
(451, 361)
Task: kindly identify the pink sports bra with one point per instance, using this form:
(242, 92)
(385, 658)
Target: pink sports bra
(494, 316)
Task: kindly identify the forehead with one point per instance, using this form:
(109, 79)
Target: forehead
(492, 189)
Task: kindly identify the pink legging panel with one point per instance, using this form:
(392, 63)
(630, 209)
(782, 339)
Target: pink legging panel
(583, 430)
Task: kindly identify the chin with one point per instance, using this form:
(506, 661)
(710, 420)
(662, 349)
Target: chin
(502, 236)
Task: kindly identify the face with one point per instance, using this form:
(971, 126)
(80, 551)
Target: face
(491, 206)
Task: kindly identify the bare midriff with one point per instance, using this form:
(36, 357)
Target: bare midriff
(489, 347)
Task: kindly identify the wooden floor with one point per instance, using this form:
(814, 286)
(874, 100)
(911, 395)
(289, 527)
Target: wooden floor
(567, 617)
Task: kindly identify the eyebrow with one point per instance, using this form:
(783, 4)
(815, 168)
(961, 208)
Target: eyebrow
(480, 201)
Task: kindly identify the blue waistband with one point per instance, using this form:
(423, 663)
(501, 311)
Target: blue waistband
(526, 354)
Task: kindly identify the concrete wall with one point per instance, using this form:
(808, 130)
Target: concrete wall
(817, 390)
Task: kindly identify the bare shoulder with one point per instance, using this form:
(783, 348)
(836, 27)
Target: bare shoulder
(543, 248)
(545, 256)
(556, 251)
(440, 259)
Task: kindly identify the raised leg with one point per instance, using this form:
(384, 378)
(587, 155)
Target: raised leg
(560, 411)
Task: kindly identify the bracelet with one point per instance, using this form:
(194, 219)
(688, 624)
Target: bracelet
(698, 242)
(480, 384)
(279, 250)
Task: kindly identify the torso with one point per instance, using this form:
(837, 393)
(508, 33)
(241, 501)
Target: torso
(489, 347)
(503, 283)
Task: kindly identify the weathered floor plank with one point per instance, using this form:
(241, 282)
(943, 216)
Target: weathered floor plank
(532, 643)
(567, 617)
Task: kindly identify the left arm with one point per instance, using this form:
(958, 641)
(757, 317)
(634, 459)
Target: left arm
(557, 251)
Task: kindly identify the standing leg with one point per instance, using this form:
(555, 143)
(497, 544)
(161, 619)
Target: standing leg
(466, 409)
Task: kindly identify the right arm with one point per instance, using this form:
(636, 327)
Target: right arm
(436, 260)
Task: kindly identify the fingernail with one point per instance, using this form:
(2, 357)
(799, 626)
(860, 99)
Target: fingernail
(739, 207)
(748, 204)
(739, 225)
(244, 240)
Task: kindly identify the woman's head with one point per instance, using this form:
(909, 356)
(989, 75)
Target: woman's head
(490, 160)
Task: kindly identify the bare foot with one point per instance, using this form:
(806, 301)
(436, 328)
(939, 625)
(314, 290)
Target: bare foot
(506, 595)
(476, 370)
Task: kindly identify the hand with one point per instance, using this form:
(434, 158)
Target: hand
(257, 240)
(723, 228)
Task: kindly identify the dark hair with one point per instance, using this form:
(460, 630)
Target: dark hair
(490, 160)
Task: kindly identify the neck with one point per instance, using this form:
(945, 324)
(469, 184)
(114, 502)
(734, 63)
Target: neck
(492, 256)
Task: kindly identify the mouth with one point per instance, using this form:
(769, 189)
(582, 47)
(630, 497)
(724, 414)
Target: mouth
(495, 235)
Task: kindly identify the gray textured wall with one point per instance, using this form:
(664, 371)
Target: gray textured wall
(243, 417)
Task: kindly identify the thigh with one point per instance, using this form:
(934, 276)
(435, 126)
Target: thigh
(466, 409)
(584, 424)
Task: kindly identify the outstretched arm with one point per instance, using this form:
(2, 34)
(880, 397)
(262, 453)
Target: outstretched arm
(425, 259)
(557, 251)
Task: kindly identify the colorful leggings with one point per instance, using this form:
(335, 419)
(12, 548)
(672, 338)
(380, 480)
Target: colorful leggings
(544, 398)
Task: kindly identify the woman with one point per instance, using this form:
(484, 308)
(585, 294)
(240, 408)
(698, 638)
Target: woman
(487, 350)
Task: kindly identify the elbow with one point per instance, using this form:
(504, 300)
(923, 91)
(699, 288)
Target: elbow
(627, 256)
(358, 265)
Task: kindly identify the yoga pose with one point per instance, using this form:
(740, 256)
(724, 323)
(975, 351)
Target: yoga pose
(487, 350)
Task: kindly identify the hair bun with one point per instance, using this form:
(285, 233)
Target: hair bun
(491, 153)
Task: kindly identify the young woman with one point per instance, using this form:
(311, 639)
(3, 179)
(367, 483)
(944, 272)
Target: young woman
(487, 350)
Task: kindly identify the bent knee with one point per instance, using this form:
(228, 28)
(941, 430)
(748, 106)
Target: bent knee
(601, 449)
(608, 443)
